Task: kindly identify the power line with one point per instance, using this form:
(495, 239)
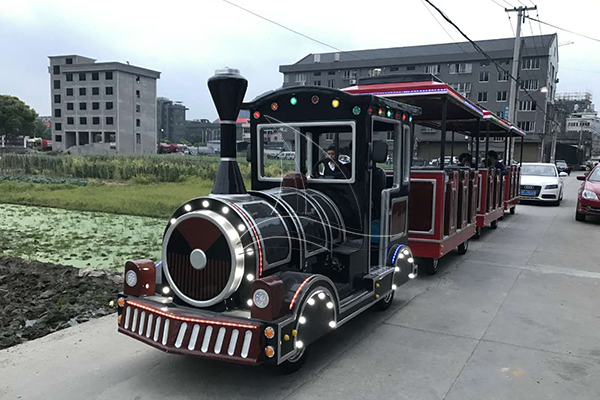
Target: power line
(510, 22)
(290, 29)
(562, 29)
(442, 26)
(495, 2)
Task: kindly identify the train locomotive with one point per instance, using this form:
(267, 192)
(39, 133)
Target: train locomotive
(255, 276)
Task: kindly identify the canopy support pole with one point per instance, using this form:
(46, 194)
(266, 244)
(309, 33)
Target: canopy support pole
(477, 131)
(521, 158)
(477, 149)
(487, 139)
(443, 141)
(452, 150)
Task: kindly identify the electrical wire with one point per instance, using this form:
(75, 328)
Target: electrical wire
(290, 29)
(562, 29)
(499, 5)
(442, 26)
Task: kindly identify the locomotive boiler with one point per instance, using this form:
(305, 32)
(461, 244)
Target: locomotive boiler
(253, 276)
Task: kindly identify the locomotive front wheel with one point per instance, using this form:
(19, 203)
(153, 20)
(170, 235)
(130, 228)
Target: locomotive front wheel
(294, 363)
(429, 266)
(463, 247)
(512, 210)
(385, 303)
(494, 224)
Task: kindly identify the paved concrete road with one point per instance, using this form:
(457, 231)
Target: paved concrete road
(518, 317)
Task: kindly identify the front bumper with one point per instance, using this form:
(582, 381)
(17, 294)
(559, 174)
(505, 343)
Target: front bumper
(543, 195)
(193, 333)
(588, 207)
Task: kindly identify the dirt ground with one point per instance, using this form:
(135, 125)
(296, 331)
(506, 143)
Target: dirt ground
(39, 298)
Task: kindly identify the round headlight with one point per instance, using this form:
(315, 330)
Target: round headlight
(261, 298)
(131, 278)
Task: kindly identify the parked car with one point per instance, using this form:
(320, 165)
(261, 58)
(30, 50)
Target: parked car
(541, 182)
(588, 200)
(287, 155)
(562, 166)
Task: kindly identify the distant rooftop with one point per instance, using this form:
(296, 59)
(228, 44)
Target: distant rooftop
(87, 64)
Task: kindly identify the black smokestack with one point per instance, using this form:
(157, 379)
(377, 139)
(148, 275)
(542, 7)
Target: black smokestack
(227, 88)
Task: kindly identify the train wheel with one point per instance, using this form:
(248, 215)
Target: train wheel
(494, 224)
(429, 266)
(385, 303)
(512, 210)
(463, 247)
(294, 363)
(477, 233)
(579, 216)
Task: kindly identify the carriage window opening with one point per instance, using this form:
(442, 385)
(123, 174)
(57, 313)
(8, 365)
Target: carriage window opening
(323, 152)
(391, 132)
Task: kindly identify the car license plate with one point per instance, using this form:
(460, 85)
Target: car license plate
(527, 192)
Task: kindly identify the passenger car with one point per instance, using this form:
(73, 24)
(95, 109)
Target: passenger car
(562, 166)
(541, 182)
(588, 200)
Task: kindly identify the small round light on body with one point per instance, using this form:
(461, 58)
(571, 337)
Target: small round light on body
(269, 351)
(302, 320)
(396, 269)
(329, 305)
(166, 290)
(173, 220)
(411, 276)
(335, 103)
(256, 115)
(261, 298)
(394, 287)
(411, 260)
(131, 278)
(311, 302)
(225, 210)
(406, 252)
(332, 324)
(250, 277)
(147, 286)
(249, 252)
(187, 208)
(205, 203)
(269, 332)
(401, 256)
(293, 101)
(314, 99)
(274, 106)
(356, 110)
(322, 296)
(249, 302)
(241, 227)
(121, 302)
(299, 344)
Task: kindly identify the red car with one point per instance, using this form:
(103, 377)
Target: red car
(588, 201)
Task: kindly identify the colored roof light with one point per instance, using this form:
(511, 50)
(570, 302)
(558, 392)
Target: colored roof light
(356, 110)
(335, 103)
(293, 101)
(370, 110)
(397, 115)
(403, 117)
(389, 113)
(274, 106)
(410, 119)
(256, 115)
(314, 99)
(380, 112)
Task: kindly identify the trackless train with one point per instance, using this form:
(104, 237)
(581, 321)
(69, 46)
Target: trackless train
(253, 276)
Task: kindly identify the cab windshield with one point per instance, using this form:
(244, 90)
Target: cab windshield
(538, 170)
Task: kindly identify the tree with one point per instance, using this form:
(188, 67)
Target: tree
(16, 117)
(183, 141)
(42, 130)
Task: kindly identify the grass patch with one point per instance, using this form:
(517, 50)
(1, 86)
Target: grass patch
(139, 196)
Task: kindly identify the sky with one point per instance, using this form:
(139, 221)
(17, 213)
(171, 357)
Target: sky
(187, 40)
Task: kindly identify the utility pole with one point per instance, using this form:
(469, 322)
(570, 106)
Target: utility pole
(514, 90)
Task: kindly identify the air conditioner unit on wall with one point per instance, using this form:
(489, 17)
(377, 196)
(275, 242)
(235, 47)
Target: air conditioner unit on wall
(353, 81)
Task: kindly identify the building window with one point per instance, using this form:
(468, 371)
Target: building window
(82, 120)
(301, 78)
(433, 69)
(82, 91)
(527, 126)
(317, 83)
(57, 126)
(56, 70)
(527, 105)
(69, 61)
(69, 77)
(95, 91)
(58, 138)
(137, 79)
(484, 64)
(137, 108)
(138, 138)
(95, 105)
(484, 76)
(393, 69)
(501, 96)
(531, 63)
(82, 76)
(374, 72)
(96, 120)
(138, 122)
(137, 94)
(330, 72)
(349, 74)
(109, 105)
(463, 88)
(57, 98)
(108, 76)
(109, 90)
(69, 91)
(95, 76)
(317, 73)
(109, 120)
(286, 79)
(70, 120)
(70, 106)
(83, 106)
(530, 84)
(411, 68)
(331, 83)
(57, 113)
(461, 68)
(482, 97)
(56, 84)
(503, 76)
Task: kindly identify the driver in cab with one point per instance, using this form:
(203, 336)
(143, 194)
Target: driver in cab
(330, 167)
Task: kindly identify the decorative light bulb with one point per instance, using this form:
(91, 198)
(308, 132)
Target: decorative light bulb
(302, 320)
(322, 296)
(250, 277)
(187, 208)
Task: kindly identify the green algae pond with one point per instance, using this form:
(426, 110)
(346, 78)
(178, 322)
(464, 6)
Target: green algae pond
(78, 238)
